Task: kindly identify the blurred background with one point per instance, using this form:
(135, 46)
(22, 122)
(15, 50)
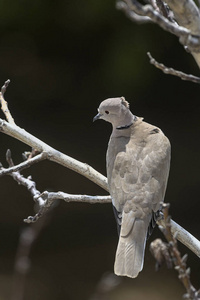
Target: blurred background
(63, 58)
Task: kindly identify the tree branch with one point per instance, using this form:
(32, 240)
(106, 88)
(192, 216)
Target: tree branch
(27, 182)
(48, 198)
(52, 154)
(172, 71)
(179, 262)
(131, 14)
(183, 236)
(4, 104)
(187, 15)
(23, 165)
(189, 36)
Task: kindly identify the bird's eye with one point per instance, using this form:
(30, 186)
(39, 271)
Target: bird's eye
(107, 112)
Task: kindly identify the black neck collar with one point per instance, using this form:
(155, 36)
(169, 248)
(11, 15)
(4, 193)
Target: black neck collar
(127, 126)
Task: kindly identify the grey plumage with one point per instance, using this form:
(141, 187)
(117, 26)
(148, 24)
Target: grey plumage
(138, 162)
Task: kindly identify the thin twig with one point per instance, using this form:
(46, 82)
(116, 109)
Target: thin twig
(131, 14)
(50, 197)
(183, 236)
(53, 154)
(27, 182)
(172, 71)
(24, 165)
(4, 104)
(179, 262)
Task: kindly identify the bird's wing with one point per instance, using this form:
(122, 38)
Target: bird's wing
(137, 187)
(139, 176)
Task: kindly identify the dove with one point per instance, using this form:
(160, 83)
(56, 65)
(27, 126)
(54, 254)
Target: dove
(137, 163)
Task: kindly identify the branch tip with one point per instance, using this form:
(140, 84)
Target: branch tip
(9, 158)
(171, 71)
(4, 87)
(4, 104)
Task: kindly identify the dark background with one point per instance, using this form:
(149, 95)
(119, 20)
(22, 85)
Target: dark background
(63, 58)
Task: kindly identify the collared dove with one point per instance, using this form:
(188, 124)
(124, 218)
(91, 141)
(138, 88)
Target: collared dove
(138, 162)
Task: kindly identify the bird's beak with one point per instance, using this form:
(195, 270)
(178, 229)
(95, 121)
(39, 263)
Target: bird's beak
(98, 116)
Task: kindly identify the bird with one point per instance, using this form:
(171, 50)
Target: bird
(137, 164)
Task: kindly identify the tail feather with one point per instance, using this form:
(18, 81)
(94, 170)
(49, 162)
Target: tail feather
(130, 251)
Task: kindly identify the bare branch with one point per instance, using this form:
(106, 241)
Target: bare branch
(27, 182)
(23, 165)
(4, 104)
(179, 262)
(187, 14)
(172, 71)
(186, 37)
(183, 236)
(131, 14)
(49, 198)
(52, 154)
(4, 87)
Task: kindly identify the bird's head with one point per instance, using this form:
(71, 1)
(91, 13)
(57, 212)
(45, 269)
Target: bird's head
(115, 111)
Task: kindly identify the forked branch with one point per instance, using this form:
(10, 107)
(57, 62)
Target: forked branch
(173, 255)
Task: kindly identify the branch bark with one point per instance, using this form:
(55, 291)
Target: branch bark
(53, 154)
(171, 71)
(187, 29)
(23, 165)
(188, 16)
(46, 200)
(4, 104)
(178, 261)
(183, 236)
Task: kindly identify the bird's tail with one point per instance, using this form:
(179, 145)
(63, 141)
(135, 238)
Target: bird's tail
(130, 251)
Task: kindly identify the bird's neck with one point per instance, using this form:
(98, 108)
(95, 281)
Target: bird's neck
(122, 126)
